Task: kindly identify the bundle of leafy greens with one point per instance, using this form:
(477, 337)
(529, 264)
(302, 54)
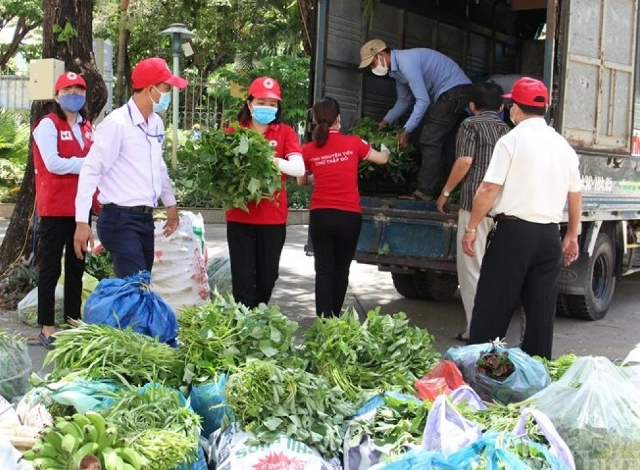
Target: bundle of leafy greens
(557, 367)
(269, 400)
(396, 426)
(99, 265)
(155, 421)
(219, 335)
(383, 353)
(402, 162)
(232, 168)
(101, 352)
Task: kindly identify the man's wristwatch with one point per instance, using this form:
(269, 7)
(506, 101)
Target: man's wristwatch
(469, 230)
(446, 194)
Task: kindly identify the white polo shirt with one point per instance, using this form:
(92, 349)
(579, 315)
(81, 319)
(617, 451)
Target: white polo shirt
(536, 168)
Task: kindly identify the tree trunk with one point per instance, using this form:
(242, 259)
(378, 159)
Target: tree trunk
(123, 37)
(77, 54)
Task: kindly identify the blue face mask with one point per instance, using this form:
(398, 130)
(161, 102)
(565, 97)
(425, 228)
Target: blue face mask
(72, 103)
(163, 104)
(264, 114)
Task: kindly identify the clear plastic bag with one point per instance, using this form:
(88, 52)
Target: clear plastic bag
(595, 409)
(15, 366)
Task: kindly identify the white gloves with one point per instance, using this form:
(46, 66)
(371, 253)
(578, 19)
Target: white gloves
(384, 148)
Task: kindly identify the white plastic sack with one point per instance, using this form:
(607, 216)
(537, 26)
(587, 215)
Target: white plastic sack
(8, 415)
(447, 431)
(230, 451)
(32, 411)
(179, 272)
(9, 457)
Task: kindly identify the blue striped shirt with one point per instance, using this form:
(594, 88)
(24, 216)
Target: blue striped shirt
(423, 74)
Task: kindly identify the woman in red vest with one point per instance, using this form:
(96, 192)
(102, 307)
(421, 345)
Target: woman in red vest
(256, 237)
(335, 214)
(61, 140)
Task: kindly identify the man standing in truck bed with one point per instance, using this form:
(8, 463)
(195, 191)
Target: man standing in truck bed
(442, 93)
(533, 170)
(475, 141)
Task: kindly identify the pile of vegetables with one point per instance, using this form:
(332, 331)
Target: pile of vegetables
(557, 367)
(268, 400)
(15, 365)
(229, 169)
(99, 264)
(382, 353)
(402, 162)
(495, 364)
(102, 352)
(155, 421)
(222, 334)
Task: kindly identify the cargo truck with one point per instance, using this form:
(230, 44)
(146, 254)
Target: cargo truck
(585, 51)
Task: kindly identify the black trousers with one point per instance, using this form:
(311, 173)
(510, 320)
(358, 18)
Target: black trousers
(334, 234)
(522, 263)
(129, 238)
(254, 258)
(56, 235)
(441, 120)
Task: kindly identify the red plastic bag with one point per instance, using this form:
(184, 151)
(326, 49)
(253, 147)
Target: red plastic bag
(443, 378)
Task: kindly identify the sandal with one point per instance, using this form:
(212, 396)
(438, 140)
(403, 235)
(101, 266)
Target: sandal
(46, 341)
(460, 337)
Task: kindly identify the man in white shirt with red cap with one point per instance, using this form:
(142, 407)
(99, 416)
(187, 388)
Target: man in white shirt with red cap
(126, 165)
(532, 174)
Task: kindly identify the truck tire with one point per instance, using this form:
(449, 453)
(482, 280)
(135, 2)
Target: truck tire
(404, 285)
(598, 277)
(427, 285)
(562, 306)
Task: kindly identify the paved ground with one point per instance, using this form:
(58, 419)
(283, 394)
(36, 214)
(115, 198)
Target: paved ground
(613, 337)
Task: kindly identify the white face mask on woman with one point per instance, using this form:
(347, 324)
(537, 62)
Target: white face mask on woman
(381, 69)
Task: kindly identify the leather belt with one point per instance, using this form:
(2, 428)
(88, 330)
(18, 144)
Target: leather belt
(139, 209)
(506, 217)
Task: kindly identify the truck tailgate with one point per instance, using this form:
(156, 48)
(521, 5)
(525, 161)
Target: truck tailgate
(409, 234)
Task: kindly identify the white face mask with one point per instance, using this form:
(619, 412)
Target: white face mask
(381, 69)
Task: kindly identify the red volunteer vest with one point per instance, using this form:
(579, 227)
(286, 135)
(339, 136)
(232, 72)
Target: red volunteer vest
(56, 194)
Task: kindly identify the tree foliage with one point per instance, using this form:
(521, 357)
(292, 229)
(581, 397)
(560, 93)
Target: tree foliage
(23, 16)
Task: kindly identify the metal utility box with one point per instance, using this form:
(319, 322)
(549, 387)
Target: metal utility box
(42, 78)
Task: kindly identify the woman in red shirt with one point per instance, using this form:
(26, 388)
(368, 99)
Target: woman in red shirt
(335, 216)
(256, 237)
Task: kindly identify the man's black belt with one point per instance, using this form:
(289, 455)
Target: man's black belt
(506, 217)
(451, 90)
(140, 209)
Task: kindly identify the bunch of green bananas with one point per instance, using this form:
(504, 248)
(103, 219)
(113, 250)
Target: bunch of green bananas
(64, 444)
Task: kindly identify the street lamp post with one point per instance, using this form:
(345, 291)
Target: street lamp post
(177, 31)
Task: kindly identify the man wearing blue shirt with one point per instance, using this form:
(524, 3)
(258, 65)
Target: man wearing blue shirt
(441, 91)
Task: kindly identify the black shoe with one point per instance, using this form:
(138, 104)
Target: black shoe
(46, 341)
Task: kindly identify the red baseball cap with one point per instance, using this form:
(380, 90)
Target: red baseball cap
(529, 92)
(155, 70)
(265, 87)
(68, 79)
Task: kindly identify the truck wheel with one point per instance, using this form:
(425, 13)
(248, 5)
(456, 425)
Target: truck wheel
(562, 306)
(404, 285)
(435, 286)
(599, 282)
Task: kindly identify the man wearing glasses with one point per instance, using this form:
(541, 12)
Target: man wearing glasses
(126, 165)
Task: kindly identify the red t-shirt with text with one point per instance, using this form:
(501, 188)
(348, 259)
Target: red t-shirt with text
(284, 142)
(335, 171)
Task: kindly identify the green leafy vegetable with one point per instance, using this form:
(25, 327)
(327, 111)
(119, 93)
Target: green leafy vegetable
(223, 333)
(229, 169)
(383, 353)
(559, 366)
(401, 164)
(100, 352)
(268, 400)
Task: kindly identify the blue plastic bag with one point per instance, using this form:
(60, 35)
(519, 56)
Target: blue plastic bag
(129, 302)
(418, 459)
(204, 399)
(528, 378)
